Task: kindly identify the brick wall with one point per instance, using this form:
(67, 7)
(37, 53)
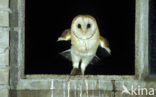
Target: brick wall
(4, 48)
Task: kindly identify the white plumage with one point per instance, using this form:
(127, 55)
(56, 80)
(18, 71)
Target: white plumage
(85, 39)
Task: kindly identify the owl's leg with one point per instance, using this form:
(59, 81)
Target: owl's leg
(75, 60)
(85, 62)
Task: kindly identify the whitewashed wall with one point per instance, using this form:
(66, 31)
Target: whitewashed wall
(4, 48)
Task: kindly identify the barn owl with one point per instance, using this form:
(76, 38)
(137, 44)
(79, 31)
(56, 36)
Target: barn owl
(85, 39)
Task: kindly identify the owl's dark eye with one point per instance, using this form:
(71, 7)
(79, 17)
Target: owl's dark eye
(88, 26)
(79, 26)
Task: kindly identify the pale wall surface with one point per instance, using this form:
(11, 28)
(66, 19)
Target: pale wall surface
(4, 48)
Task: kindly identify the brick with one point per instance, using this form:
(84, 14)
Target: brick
(4, 3)
(4, 18)
(59, 93)
(4, 93)
(4, 46)
(4, 75)
(4, 38)
(4, 58)
(33, 84)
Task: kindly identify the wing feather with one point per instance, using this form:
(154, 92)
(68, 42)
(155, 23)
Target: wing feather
(65, 35)
(104, 44)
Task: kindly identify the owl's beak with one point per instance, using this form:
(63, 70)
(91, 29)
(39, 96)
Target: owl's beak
(84, 31)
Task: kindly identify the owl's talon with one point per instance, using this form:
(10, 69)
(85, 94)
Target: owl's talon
(76, 71)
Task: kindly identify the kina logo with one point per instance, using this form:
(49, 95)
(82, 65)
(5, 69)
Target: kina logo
(137, 90)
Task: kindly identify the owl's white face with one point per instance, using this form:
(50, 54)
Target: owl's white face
(84, 26)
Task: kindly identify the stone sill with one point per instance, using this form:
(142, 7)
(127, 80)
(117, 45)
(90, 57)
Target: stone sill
(77, 77)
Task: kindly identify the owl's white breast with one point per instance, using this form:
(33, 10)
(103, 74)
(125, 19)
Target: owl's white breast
(85, 46)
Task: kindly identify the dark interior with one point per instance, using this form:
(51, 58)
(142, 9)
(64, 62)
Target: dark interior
(152, 37)
(45, 21)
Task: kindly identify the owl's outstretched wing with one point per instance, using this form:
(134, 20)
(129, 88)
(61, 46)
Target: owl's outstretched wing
(65, 35)
(67, 55)
(104, 44)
